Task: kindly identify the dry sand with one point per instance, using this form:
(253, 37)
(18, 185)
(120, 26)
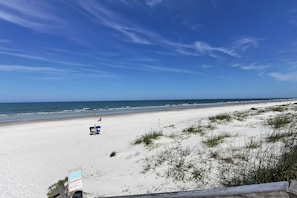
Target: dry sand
(37, 154)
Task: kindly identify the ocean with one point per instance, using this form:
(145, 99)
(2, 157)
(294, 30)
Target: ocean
(30, 111)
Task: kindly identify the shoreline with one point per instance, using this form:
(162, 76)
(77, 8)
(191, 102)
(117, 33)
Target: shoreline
(34, 155)
(203, 106)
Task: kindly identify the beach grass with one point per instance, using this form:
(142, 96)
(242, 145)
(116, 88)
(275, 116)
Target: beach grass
(253, 144)
(266, 165)
(55, 187)
(220, 117)
(279, 121)
(195, 130)
(148, 138)
(279, 108)
(216, 140)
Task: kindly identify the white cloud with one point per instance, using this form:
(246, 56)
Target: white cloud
(166, 69)
(206, 49)
(196, 26)
(134, 35)
(252, 66)
(284, 76)
(245, 43)
(214, 5)
(21, 68)
(153, 3)
(118, 23)
(43, 59)
(37, 16)
(4, 41)
(292, 15)
(22, 55)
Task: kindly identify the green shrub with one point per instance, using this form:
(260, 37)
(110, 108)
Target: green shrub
(240, 116)
(277, 136)
(215, 140)
(147, 139)
(253, 144)
(56, 186)
(279, 121)
(220, 117)
(194, 130)
(278, 108)
(197, 174)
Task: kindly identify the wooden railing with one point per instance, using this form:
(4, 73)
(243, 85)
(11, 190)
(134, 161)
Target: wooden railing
(271, 190)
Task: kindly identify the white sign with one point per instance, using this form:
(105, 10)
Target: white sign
(75, 180)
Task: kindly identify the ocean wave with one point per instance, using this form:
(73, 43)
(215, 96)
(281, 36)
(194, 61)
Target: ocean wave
(59, 110)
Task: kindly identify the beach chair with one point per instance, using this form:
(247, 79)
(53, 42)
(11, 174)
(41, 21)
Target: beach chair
(95, 130)
(98, 128)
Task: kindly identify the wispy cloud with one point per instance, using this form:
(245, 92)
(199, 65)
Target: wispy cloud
(114, 21)
(206, 49)
(167, 69)
(22, 55)
(4, 41)
(153, 3)
(252, 66)
(199, 48)
(43, 59)
(164, 53)
(246, 43)
(37, 16)
(57, 72)
(134, 33)
(196, 26)
(284, 76)
(22, 68)
(292, 15)
(214, 5)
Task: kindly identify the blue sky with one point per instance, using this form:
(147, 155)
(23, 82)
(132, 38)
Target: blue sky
(147, 49)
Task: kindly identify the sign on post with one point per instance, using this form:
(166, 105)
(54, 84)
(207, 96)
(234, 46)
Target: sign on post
(75, 180)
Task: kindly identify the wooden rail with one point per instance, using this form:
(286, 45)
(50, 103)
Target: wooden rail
(271, 190)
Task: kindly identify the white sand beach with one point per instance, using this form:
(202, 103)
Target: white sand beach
(34, 155)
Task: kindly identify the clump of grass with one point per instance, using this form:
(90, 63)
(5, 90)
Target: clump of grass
(252, 144)
(210, 127)
(56, 186)
(278, 108)
(279, 121)
(177, 163)
(197, 174)
(214, 155)
(148, 138)
(220, 117)
(277, 136)
(195, 130)
(172, 136)
(216, 140)
(228, 160)
(241, 115)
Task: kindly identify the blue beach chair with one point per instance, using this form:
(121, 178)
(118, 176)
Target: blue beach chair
(98, 128)
(95, 130)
